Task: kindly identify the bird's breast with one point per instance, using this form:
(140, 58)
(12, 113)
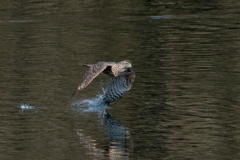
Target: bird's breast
(117, 87)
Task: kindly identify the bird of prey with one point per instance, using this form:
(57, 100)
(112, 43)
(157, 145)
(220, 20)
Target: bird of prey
(122, 73)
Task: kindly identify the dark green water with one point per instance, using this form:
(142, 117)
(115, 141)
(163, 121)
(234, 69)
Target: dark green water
(185, 102)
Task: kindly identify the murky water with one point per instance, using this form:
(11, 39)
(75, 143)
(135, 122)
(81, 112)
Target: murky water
(184, 103)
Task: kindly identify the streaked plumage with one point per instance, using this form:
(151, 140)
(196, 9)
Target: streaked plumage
(109, 68)
(123, 77)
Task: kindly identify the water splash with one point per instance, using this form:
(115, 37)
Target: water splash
(26, 107)
(90, 105)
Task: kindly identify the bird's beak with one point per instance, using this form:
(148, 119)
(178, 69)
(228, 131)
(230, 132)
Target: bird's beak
(86, 65)
(129, 70)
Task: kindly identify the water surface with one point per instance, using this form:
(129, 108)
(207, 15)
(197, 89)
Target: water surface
(184, 103)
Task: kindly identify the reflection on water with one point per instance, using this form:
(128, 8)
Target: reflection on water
(16, 21)
(117, 135)
(161, 17)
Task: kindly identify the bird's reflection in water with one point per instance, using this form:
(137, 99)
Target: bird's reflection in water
(118, 146)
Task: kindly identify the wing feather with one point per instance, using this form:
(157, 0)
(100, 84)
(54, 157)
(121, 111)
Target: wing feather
(93, 71)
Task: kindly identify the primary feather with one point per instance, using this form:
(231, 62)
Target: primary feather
(109, 68)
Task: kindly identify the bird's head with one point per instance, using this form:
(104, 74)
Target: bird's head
(125, 63)
(125, 66)
(122, 67)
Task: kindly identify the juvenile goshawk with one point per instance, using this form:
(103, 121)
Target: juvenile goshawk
(122, 78)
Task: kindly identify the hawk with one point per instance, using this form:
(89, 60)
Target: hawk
(121, 73)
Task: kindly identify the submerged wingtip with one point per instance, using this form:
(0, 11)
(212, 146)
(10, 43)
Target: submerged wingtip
(75, 92)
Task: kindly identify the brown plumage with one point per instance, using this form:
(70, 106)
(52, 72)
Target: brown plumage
(113, 69)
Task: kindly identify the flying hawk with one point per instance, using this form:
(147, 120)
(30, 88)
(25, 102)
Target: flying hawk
(122, 73)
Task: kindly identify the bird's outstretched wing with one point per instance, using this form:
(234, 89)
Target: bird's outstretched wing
(93, 71)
